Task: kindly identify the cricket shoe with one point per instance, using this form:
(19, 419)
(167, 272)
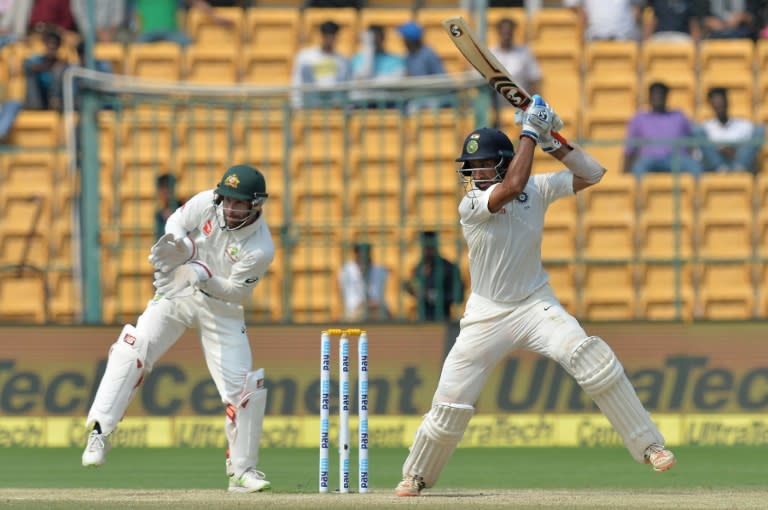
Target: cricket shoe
(659, 457)
(250, 481)
(410, 486)
(95, 453)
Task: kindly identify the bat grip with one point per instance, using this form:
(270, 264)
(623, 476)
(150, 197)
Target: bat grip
(560, 138)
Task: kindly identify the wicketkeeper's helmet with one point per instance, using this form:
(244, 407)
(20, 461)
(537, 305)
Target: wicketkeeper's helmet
(243, 182)
(486, 143)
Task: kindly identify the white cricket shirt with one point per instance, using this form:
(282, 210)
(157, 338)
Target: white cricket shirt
(240, 256)
(505, 247)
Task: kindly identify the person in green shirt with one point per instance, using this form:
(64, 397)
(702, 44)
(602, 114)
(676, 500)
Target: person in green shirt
(157, 20)
(435, 283)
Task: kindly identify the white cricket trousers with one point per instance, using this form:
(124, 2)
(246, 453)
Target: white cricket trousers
(490, 331)
(222, 334)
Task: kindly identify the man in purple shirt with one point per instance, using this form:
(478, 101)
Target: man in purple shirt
(654, 138)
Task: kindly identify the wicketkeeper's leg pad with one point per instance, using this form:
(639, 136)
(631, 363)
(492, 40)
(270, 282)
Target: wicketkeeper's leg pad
(124, 372)
(436, 439)
(601, 375)
(244, 423)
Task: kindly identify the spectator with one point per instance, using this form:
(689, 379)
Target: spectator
(731, 20)
(518, 60)
(674, 21)
(51, 14)
(374, 63)
(362, 284)
(609, 20)
(109, 16)
(435, 283)
(321, 66)
(57, 84)
(735, 142)
(421, 60)
(167, 200)
(41, 72)
(655, 130)
(157, 20)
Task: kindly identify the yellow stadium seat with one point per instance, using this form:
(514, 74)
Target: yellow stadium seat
(131, 296)
(378, 135)
(264, 66)
(665, 237)
(727, 194)
(266, 301)
(375, 191)
(132, 255)
(561, 73)
(614, 195)
(345, 17)
(137, 214)
(36, 128)
(64, 304)
(610, 156)
(207, 31)
(605, 125)
(211, 64)
(22, 298)
(275, 29)
(158, 61)
(317, 190)
(24, 214)
(24, 249)
(726, 56)
(320, 132)
(665, 58)
(138, 177)
(662, 194)
(609, 237)
(724, 236)
(311, 297)
(562, 25)
(434, 35)
(200, 171)
(263, 140)
(725, 292)
(30, 173)
(611, 58)
(208, 133)
(390, 19)
(146, 134)
(560, 231)
(608, 292)
(666, 292)
(112, 52)
(562, 279)
(615, 94)
(495, 14)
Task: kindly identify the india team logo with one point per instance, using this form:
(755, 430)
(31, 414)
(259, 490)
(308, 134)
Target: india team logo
(232, 181)
(472, 146)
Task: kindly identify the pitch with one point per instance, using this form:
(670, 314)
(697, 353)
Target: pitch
(521, 478)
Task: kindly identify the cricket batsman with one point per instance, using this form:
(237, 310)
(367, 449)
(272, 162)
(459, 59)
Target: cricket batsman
(512, 305)
(215, 249)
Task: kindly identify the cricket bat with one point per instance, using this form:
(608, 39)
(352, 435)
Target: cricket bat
(489, 66)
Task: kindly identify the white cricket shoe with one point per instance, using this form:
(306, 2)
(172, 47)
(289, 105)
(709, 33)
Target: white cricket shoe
(95, 453)
(659, 457)
(409, 486)
(251, 481)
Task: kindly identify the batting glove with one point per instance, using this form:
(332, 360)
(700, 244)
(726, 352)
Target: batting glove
(183, 277)
(169, 253)
(537, 119)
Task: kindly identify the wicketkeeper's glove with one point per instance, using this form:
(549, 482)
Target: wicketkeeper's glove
(168, 253)
(184, 276)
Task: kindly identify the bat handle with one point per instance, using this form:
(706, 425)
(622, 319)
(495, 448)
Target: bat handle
(560, 138)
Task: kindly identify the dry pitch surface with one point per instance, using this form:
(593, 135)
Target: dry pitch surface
(84, 499)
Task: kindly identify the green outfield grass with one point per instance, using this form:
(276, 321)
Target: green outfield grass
(294, 471)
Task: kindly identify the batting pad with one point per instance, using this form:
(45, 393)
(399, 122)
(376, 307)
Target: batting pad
(600, 374)
(435, 441)
(124, 372)
(244, 424)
